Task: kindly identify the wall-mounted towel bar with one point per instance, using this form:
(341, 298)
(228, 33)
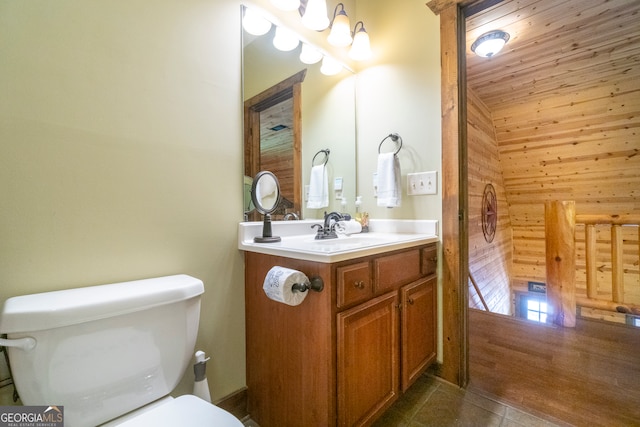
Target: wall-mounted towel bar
(326, 153)
(395, 138)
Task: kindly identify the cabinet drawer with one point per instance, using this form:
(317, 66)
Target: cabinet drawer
(396, 270)
(354, 283)
(429, 260)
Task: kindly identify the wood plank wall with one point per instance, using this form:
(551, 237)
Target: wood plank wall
(564, 96)
(276, 146)
(586, 149)
(489, 263)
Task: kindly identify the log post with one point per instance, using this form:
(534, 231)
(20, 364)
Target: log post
(560, 224)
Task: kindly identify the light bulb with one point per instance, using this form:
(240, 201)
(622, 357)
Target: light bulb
(315, 15)
(285, 40)
(309, 55)
(330, 66)
(340, 34)
(254, 23)
(361, 47)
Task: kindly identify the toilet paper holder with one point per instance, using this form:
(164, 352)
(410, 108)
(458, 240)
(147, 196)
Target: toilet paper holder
(315, 283)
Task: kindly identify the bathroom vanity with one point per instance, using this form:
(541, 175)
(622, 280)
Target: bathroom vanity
(345, 354)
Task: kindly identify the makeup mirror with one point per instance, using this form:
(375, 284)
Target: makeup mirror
(265, 195)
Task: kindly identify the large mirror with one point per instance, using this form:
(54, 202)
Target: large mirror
(292, 113)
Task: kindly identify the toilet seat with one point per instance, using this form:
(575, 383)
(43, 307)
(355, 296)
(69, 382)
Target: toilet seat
(187, 410)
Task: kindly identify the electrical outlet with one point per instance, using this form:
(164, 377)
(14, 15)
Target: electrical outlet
(422, 183)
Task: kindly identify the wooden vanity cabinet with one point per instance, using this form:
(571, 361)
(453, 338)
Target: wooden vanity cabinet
(344, 355)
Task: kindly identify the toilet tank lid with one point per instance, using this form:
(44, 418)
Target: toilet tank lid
(56, 309)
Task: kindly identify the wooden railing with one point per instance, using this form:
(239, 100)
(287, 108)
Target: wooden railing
(593, 300)
(560, 225)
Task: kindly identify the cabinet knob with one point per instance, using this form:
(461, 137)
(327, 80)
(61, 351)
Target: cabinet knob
(410, 301)
(358, 284)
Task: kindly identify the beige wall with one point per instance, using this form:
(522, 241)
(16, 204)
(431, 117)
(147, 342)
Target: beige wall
(121, 153)
(399, 91)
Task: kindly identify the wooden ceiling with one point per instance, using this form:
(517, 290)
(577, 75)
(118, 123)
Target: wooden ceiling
(556, 48)
(564, 96)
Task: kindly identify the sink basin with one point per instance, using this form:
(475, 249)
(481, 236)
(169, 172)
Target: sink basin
(298, 239)
(342, 243)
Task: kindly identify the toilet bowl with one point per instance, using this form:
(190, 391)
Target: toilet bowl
(110, 354)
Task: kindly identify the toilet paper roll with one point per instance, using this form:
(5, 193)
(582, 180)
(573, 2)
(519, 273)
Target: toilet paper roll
(278, 282)
(349, 227)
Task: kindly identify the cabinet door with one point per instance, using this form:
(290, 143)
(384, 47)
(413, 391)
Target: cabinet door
(368, 371)
(418, 323)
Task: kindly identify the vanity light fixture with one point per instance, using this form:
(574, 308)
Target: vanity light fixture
(315, 15)
(488, 44)
(285, 40)
(340, 34)
(330, 66)
(286, 5)
(254, 23)
(309, 54)
(361, 47)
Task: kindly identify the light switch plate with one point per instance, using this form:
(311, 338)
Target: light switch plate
(422, 183)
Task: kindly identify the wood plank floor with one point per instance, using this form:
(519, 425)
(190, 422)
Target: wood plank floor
(586, 376)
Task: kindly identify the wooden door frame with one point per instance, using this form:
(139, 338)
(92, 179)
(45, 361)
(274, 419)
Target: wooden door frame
(291, 87)
(455, 239)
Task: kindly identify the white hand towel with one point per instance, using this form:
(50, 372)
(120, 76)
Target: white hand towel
(318, 188)
(389, 180)
(348, 227)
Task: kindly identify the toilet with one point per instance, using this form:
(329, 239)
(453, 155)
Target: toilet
(110, 354)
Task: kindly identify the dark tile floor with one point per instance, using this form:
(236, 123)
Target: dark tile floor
(432, 402)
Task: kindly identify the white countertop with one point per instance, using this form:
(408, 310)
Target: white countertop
(298, 239)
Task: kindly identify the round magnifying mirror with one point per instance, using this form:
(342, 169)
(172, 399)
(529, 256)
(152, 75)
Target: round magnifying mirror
(265, 194)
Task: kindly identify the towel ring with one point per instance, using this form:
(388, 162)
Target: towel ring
(326, 153)
(394, 137)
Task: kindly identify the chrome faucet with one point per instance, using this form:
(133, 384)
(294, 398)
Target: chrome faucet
(328, 230)
(291, 215)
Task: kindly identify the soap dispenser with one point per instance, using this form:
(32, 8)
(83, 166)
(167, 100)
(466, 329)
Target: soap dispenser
(362, 217)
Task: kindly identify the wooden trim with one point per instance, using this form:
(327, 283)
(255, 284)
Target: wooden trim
(290, 87)
(235, 403)
(439, 6)
(454, 295)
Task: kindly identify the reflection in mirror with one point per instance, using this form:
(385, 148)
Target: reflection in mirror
(265, 194)
(292, 111)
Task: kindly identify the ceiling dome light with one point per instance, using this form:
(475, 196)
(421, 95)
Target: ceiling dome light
(340, 34)
(315, 15)
(361, 47)
(285, 40)
(330, 66)
(254, 23)
(488, 44)
(309, 55)
(287, 5)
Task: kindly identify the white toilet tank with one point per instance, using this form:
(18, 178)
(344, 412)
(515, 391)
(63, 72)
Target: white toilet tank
(102, 351)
